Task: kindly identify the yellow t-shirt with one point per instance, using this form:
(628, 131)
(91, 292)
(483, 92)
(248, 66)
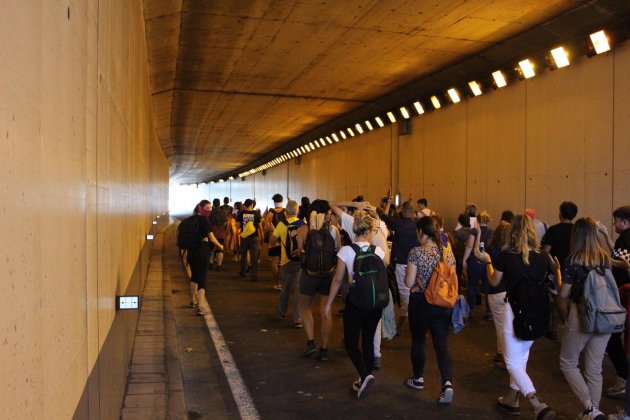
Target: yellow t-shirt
(281, 232)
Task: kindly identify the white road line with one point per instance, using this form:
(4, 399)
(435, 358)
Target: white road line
(241, 395)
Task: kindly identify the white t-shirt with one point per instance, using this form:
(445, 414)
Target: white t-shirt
(347, 254)
(380, 239)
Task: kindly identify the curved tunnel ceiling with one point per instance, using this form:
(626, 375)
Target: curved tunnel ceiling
(232, 81)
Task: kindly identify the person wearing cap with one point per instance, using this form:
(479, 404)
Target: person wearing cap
(541, 227)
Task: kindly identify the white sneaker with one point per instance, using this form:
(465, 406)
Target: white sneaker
(618, 389)
(593, 413)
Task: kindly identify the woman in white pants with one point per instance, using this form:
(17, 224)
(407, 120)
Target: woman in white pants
(521, 257)
(586, 254)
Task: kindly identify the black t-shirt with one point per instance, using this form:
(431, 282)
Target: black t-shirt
(494, 255)
(227, 209)
(512, 266)
(405, 237)
(622, 250)
(204, 226)
(486, 233)
(558, 237)
(247, 216)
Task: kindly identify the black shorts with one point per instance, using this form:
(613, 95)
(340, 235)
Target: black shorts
(198, 260)
(218, 250)
(275, 251)
(310, 285)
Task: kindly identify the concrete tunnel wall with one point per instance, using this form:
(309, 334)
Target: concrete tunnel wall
(562, 135)
(82, 176)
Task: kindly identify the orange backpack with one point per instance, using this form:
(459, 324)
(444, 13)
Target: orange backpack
(442, 286)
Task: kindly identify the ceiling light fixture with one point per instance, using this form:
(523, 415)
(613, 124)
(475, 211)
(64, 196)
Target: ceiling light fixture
(369, 125)
(350, 132)
(391, 117)
(499, 79)
(343, 135)
(560, 57)
(322, 142)
(475, 88)
(527, 68)
(379, 121)
(600, 42)
(404, 112)
(418, 107)
(334, 136)
(452, 93)
(359, 128)
(436, 102)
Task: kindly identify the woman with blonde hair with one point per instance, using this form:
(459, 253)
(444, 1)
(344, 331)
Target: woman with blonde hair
(586, 254)
(524, 268)
(358, 322)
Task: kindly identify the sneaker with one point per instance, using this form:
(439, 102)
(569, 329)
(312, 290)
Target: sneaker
(446, 396)
(282, 317)
(310, 349)
(592, 413)
(356, 385)
(366, 387)
(200, 312)
(323, 355)
(618, 389)
(510, 408)
(377, 363)
(193, 304)
(297, 324)
(543, 412)
(619, 415)
(415, 383)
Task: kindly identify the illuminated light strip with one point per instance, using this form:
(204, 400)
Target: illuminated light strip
(391, 117)
(379, 121)
(418, 107)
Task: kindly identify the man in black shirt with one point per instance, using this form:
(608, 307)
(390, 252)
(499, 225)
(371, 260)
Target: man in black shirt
(556, 242)
(621, 255)
(250, 242)
(218, 224)
(226, 206)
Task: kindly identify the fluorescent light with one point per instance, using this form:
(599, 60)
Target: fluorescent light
(359, 128)
(475, 88)
(560, 57)
(302, 149)
(299, 152)
(404, 112)
(379, 121)
(436, 102)
(600, 42)
(527, 68)
(334, 137)
(322, 142)
(499, 79)
(212, 182)
(221, 180)
(231, 178)
(312, 147)
(391, 117)
(418, 107)
(350, 132)
(308, 149)
(452, 93)
(343, 135)
(369, 125)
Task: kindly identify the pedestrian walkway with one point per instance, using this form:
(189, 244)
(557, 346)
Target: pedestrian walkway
(154, 384)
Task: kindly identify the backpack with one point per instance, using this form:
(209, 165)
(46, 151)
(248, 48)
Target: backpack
(442, 287)
(290, 242)
(188, 236)
(370, 288)
(530, 304)
(278, 216)
(599, 308)
(320, 258)
(345, 238)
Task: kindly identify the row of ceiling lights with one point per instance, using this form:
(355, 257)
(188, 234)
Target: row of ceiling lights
(558, 58)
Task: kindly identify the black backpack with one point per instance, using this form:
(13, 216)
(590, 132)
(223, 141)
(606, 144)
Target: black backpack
(290, 242)
(278, 216)
(320, 258)
(345, 238)
(188, 236)
(370, 287)
(530, 303)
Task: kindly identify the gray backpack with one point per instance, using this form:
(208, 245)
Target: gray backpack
(600, 309)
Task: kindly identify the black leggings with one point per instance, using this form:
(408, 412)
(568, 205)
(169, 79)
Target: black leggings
(198, 259)
(617, 355)
(423, 317)
(357, 322)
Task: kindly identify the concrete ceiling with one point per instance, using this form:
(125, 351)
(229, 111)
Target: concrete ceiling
(233, 80)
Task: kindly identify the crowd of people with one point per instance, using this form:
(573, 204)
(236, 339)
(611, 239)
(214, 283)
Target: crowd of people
(529, 277)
